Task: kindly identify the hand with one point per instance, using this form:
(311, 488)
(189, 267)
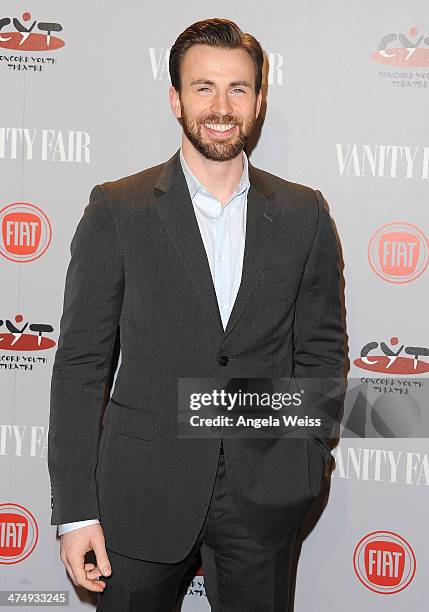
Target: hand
(74, 546)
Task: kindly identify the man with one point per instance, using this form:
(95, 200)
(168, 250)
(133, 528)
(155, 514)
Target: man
(209, 267)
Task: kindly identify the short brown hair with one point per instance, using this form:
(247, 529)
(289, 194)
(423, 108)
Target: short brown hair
(215, 33)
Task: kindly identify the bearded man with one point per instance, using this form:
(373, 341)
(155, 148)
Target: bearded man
(208, 267)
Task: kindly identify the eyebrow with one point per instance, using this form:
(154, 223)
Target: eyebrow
(233, 84)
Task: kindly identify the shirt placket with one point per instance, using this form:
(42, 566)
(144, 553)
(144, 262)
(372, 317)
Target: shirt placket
(222, 261)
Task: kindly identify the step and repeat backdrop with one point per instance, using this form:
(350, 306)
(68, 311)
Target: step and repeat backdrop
(83, 100)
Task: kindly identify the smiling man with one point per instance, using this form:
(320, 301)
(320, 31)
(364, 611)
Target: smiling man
(210, 267)
(215, 131)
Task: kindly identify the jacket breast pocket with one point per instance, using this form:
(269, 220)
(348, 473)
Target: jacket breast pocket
(275, 276)
(129, 421)
(278, 285)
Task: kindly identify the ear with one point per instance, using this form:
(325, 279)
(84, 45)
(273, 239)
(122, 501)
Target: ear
(258, 103)
(175, 101)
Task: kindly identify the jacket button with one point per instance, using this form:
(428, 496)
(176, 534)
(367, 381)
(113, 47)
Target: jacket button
(223, 361)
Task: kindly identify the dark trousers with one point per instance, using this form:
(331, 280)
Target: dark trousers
(240, 575)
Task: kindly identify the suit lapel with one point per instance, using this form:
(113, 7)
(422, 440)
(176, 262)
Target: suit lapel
(175, 209)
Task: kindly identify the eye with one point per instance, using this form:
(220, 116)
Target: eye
(203, 88)
(238, 89)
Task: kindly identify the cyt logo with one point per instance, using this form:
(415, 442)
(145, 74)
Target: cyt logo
(22, 37)
(400, 49)
(25, 232)
(398, 252)
(384, 562)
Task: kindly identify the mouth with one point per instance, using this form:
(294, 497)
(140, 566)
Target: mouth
(220, 129)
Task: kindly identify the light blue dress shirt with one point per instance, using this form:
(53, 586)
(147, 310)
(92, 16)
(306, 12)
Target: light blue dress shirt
(223, 231)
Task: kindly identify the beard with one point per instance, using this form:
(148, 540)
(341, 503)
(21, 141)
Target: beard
(216, 149)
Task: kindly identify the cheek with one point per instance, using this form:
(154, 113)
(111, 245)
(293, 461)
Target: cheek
(246, 111)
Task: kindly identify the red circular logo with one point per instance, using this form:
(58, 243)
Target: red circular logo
(398, 252)
(26, 232)
(384, 562)
(19, 533)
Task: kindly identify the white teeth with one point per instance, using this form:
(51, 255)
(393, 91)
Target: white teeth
(220, 127)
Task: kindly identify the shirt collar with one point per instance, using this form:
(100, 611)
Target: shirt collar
(194, 185)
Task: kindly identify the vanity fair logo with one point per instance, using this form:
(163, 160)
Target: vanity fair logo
(18, 533)
(26, 232)
(23, 440)
(159, 64)
(384, 562)
(383, 161)
(45, 145)
(398, 252)
(381, 465)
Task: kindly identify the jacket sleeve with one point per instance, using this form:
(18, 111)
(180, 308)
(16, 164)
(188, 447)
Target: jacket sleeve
(93, 295)
(319, 333)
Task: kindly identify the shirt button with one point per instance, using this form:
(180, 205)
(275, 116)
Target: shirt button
(223, 361)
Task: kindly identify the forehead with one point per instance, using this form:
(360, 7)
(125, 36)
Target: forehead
(216, 63)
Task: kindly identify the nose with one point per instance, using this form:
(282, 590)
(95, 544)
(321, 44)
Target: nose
(221, 104)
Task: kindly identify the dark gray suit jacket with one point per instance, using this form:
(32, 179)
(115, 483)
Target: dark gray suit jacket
(138, 262)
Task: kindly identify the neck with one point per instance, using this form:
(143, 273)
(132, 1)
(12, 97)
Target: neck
(220, 178)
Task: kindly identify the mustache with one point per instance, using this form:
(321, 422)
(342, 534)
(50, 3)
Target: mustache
(226, 119)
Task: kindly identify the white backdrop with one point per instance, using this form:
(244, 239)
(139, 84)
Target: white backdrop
(346, 113)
